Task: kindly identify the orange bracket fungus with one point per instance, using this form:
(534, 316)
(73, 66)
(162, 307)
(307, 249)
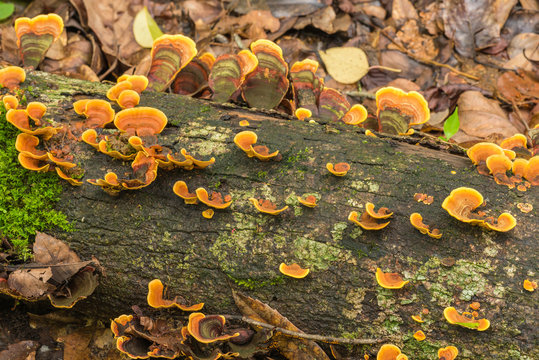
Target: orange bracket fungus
(244, 123)
(180, 189)
(339, 169)
(356, 115)
(170, 54)
(193, 78)
(531, 173)
(68, 173)
(262, 153)
(453, 317)
(529, 285)
(141, 121)
(397, 110)
(31, 163)
(208, 329)
(366, 221)
(390, 352)
(109, 184)
(293, 270)
(128, 99)
(155, 298)
(448, 353)
(114, 146)
(228, 74)
(10, 101)
(417, 221)
(417, 318)
(479, 154)
(332, 105)
(419, 335)
(382, 213)
(390, 280)
(266, 206)
(197, 164)
(208, 213)
(98, 112)
(11, 77)
(245, 141)
(518, 144)
(19, 119)
(463, 201)
(36, 111)
(309, 201)
(307, 87)
(36, 35)
(138, 82)
(26, 143)
(267, 84)
(498, 165)
(216, 199)
(302, 113)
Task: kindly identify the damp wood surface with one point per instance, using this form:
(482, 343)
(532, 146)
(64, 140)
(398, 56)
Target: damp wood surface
(151, 233)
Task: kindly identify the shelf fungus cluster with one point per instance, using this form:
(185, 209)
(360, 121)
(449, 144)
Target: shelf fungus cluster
(201, 337)
(466, 319)
(417, 221)
(510, 164)
(245, 141)
(390, 280)
(390, 352)
(461, 204)
(370, 218)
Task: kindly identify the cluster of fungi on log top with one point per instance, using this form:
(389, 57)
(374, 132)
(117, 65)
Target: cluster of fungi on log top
(369, 219)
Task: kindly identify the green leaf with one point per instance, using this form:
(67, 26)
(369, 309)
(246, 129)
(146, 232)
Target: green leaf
(145, 28)
(452, 124)
(6, 10)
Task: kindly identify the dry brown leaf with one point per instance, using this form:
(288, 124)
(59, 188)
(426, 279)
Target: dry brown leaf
(286, 9)
(22, 350)
(518, 87)
(31, 283)
(347, 65)
(10, 51)
(402, 11)
(422, 46)
(291, 348)
(76, 344)
(254, 23)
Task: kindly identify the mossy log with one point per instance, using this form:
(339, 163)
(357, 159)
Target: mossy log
(150, 233)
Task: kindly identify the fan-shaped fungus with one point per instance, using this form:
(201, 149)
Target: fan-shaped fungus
(332, 105)
(198, 164)
(267, 84)
(266, 206)
(27, 144)
(128, 99)
(448, 353)
(479, 154)
(138, 82)
(262, 153)
(208, 329)
(302, 113)
(31, 163)
(529, 285)
(461, 202)
(208, 214)
(244, 123)
(309, 201)
(216, 200)
(498, 165)
(516, 141)
(170, 54)
(121, 320)
(36, 35)
(390, 280)
(97, 112)
(388, 352)
(245, 141)
(155, 298)
(419, 335)
(293, 270)
(228, 74)
(453, 317)
(339, 169)
(417, 318)
(366, 221)
(306, 85)
(19, 119)
(398, 110)
(10, 101)
(180, 189)
(69, 179)
(35, 111)
(370, 133)
(356, 115)
(417, 221)
(193, 78)
(382, 213)
(64, 162)
(142, 121)
(531, 173)
(518, 168)
(11, 77)
(505, 222)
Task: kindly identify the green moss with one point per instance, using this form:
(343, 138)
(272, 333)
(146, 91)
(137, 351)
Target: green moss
(253, 284)
(27, 198)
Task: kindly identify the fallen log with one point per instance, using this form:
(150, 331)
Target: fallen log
(151, 233)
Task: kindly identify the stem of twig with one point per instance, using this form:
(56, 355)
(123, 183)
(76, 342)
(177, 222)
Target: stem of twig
(300, 335)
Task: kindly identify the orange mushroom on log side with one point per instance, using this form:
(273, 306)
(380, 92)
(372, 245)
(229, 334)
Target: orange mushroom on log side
(390, 280)
(293, 270)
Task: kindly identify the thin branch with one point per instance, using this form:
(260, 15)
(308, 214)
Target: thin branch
(299, 335)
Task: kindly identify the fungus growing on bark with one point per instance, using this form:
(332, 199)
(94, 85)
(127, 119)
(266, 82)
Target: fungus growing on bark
(245, 141)
(98, 112)
(27, 144)
(332, 105)
(518, 168)
(480, 152)
(382, 213)
(397, 110)
(293, 270)
(244, 123)
(462, 202)
(267, 84)
(141, 121)
(10, 101)
(170, 54)
(518, 144)
(529, 285)
(128, 99)
(370, 133)
(475, 305)
(197, 164)
(216, 200)
(266, 206)
(155, 298)
(193, 78)
(30, 163)
(115, 91)
(505, 222)
(208, 329)
(419, 335)
(180, 189)
(453, 317)
(339, 169)
(531, 173)
(66, 176)
(120, 322)
(390, 280)
(109, 183)
(417, 318)
(306, 86)
(228, 74)
(35, 111)
(19, 119)
(366, 221)
(498, 165)
(36, 35)
(208, 214)
(309, 201)
(262, 153)
(134, 347)
(63, 162)
(448, 353)
(388, 352)
(138, 82)
(356, 115)
(417, 221)
(11, 77)
(302, 113)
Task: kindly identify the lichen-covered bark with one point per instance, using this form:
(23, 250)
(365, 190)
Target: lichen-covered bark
(151, 233)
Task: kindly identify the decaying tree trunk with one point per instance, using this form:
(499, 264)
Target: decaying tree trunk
(150, 233)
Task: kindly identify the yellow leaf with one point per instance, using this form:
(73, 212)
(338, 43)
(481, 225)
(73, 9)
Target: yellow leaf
(346, 65)
(145, 28)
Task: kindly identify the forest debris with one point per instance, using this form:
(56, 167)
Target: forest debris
(22, 350)
(402, 11)
(518, 87)
(347, 65)
(254, 24)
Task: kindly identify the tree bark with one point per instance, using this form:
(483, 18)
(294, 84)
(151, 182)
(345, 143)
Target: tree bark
(150, 233)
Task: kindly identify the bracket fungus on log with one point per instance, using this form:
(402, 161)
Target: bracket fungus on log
(180, 189)
(27, 144)
(208, 329)
(309, 201)
(266, 86)
(31, 163)
(245, 141)
(12, 76)
(170, 54)
(10, 102)
(215, 200)
(193, 78)
(141, 121)
(155, 298)
(382, 213)
(397, 110)
(390, 280)
(338, 169)
(266, 206)
(498, 165)
(529, 285)
(356, 115)
(228, 74)
(35, 36)
(293, 270)
(98, 112)
(332, 105)
(531, 173)
(417, 221)
(419, 335)
(36, 111)
(390, 352)
(453, 317)
(480, 152)
(448, 353)
(20, 119)
(302, 113)
(128, 99)
(306, 85)
(366, 221)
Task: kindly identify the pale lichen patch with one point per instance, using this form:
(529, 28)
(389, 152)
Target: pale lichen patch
(354, 297)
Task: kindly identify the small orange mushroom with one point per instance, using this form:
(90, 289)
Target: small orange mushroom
(266, 206)
(531, 173)
(90, 137)
(121, 320)
(515, 141)
(128, 99)
(197, 164)
(309, 201)
(141, 121)
(518, 168)
(262, 153)
(505, 222)
(98, 112)
(244, 123)
(10, 102)
(461, 202)
(339, 169)
(366, 221)
(19, 119)
(417, 318)
(208, 214)
(419, 335)
(356, 115)
(35, 111)
(62, 174)
(390, 280)
(417, 221)
(11, 77)
(453, 317)
(293, 270)
(498, 165)
(398, 110)
(215, 201)
(208, 329)
(302, 113)
(26, 143)
(479, 154)
(63, 162)
(245, 141)
(388, 352)
(382, 213)
(138, 82)
(180, 189)
(370, 133)
(155, 298)
(32, 163)
(529, 285)
(448, 353)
